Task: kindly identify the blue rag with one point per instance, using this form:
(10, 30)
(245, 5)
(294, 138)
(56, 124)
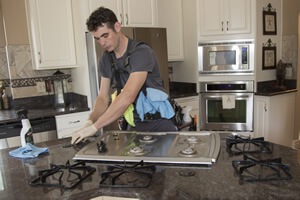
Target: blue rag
(156, 101)
(30, 151)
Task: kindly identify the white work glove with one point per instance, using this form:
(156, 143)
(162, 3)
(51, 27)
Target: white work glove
(82, 133)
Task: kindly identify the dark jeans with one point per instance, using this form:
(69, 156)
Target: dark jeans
(158, 125)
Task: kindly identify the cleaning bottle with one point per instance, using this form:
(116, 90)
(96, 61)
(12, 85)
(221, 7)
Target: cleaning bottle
(26, 132)
(186, 114)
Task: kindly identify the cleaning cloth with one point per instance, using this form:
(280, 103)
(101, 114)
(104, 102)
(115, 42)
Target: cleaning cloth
(30, 151)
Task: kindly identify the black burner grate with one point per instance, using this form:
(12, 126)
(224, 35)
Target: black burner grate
(237, 145)
(64, 176)
(252, 170)
(135, 176)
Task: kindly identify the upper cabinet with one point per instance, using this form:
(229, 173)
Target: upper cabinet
(224, 17)
(170, 17)
(51, 34)
(135, 13)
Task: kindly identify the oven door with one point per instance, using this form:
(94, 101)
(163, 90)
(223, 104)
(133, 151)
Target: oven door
(213, 117)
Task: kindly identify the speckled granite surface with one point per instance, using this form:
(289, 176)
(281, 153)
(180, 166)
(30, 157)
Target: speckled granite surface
(217, 182)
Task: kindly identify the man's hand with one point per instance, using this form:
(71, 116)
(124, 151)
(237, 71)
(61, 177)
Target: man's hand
(85, 132)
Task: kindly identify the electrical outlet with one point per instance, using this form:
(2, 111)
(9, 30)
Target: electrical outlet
(40, 87)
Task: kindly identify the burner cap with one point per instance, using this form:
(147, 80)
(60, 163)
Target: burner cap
(193, 139)
(148, 139)
(137, 150)
(189, 151)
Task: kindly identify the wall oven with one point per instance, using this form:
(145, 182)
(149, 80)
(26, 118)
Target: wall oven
(226, 106)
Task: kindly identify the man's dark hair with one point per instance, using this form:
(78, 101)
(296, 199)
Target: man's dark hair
(100, 17)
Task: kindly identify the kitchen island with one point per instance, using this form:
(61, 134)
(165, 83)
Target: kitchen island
(169, 182)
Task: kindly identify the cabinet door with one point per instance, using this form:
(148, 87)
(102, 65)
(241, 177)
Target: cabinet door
(211, 17)
(141, 13)
(114, 5)
(52, 34)
(237, 16)
(170, 17)
(261, 108)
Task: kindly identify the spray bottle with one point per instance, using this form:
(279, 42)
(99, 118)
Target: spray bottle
(26, 132)
(186, 114)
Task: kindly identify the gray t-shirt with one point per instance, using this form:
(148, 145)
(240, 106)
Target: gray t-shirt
(141, 59)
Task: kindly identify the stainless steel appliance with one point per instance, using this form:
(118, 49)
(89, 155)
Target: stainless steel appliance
(153, 147)
(214, 116)
(156, 38)
(226, 57)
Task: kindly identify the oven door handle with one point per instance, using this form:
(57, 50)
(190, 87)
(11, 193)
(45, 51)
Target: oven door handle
(220, 97)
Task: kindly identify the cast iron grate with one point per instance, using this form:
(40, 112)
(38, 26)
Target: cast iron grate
(136, 176)
(237, 145)
(252, 170)
(64, 176)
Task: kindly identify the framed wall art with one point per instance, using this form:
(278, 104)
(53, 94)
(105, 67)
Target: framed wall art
(269, 20)
(269, 55)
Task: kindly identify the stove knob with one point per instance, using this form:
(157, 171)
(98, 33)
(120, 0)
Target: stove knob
(101, 147)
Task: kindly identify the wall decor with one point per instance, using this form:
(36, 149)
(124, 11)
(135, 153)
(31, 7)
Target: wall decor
(269, 20)
(269, 55)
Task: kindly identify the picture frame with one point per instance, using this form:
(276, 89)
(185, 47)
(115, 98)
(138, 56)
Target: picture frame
(269, 21)
(269, 58)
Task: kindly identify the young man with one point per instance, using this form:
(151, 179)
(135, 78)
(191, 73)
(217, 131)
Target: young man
(143, 100)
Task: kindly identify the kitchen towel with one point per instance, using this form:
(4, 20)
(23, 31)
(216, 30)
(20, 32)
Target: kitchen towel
(30, 151)
(228, 101)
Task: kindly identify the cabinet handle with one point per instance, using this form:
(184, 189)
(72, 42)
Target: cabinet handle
(265, 107)
(121, 19)
(40, 57)
(222, 26)
(126, 19)
(227, 25)
(74, 122)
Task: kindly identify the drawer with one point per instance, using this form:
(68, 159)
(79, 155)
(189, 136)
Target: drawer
(66, 124)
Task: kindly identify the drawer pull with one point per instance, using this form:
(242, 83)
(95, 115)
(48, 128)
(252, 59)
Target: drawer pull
(74, 122)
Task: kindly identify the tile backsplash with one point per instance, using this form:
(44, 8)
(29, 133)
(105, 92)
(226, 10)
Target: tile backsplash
(23, 78)
(290, 52)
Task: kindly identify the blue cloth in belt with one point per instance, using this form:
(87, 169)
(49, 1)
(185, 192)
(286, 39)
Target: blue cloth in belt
(156, 101)
(30, 151)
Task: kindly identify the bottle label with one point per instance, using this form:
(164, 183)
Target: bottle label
(29, 137)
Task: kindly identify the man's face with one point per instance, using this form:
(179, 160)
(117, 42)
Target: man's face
(107, 38)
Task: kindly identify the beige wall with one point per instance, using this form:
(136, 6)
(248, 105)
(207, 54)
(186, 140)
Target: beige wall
(297, 107)
(290, 10)
(14, 15)
(2, 35)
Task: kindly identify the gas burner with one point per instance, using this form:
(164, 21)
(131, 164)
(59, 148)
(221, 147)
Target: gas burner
(252, 170)
(136, 176)
(237, 145)
(188, 152)
(193, 139)
(148, 139)
(64, 176)
(137, 151)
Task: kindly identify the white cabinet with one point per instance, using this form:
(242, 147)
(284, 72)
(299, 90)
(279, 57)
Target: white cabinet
(51, 33)
(221, 17)
(192, 101)
(66, 124)
(137, 13)
(274, 118)
(170, 17)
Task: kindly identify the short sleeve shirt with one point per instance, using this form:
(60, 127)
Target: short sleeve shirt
(141, 59)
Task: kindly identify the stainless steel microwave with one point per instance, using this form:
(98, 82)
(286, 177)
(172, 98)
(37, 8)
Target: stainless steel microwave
(226, 57)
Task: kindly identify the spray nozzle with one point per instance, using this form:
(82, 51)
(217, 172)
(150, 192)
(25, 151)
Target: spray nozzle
(22, 113)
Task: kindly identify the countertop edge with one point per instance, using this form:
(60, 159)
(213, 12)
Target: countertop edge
(275, 93)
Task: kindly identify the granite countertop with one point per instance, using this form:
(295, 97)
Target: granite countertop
(217, 182)
(270, 88)
(10, 116)
(43, 107)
